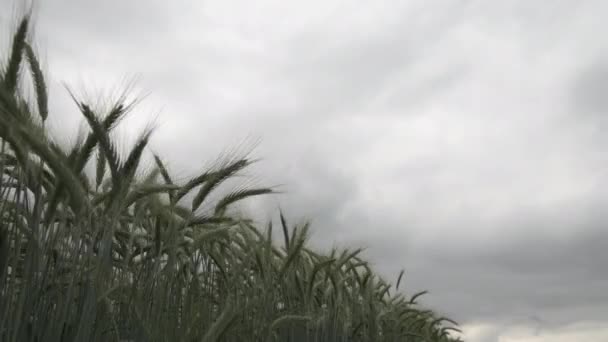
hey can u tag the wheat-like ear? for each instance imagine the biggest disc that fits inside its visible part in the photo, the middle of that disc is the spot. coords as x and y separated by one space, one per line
11 76
347 258
444 319
39 83
163 170
166 177
399 279
217 178
238 195
127 171
105 144
117 113
416 296
191 184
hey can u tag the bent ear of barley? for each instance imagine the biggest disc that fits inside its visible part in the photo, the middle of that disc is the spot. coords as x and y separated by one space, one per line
39 82
11 75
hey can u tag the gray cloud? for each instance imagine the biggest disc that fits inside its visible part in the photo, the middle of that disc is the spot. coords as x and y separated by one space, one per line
460 140
588 96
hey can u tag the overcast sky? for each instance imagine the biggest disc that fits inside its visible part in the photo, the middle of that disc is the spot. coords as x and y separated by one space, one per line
464 141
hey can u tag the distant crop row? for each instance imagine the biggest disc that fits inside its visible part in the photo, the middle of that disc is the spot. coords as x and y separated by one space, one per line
119 254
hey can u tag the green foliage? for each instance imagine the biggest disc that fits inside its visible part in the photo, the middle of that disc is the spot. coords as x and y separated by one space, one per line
128 260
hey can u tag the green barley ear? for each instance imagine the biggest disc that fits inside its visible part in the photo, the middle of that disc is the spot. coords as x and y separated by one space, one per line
399 279
127 172
105 144
11 76
39 83
165 174
190 185
238 195
163 169
217 178
416 296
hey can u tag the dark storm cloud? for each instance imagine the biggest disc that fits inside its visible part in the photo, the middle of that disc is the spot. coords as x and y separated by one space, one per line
540 275
456 139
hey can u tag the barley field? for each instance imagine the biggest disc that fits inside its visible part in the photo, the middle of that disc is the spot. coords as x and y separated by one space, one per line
125 253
